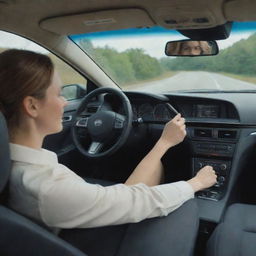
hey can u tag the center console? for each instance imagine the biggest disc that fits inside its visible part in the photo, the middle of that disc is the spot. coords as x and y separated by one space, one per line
214 147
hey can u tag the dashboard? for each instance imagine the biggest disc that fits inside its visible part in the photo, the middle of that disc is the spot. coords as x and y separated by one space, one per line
159 112
153 109
221 130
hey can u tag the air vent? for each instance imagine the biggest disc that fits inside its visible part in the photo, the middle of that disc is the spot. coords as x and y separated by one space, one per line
227 134
204 133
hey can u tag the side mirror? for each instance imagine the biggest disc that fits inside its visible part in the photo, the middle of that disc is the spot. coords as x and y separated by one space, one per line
191 48
73 91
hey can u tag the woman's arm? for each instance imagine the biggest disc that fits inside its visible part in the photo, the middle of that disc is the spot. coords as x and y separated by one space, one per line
150 170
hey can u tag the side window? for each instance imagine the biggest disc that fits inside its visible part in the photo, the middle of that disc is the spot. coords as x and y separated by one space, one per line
74 85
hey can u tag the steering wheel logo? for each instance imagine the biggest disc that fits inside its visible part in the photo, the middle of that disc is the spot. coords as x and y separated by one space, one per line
98 122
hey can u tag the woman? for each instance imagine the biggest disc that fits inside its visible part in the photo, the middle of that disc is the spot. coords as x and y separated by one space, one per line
50 193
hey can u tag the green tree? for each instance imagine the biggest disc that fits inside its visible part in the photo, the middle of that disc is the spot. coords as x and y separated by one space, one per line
145 66
116 64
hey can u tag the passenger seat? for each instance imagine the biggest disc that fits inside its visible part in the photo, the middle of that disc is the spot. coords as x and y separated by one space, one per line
236 235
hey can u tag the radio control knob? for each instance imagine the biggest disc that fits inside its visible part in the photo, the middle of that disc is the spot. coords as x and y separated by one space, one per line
223 167
221 179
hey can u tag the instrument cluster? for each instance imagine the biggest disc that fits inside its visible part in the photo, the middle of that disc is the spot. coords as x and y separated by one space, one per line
151 112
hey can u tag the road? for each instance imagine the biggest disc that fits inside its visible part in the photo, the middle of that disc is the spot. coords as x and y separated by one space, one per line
197 80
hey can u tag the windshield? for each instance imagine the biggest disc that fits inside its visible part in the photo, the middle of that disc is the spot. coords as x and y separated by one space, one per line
135 60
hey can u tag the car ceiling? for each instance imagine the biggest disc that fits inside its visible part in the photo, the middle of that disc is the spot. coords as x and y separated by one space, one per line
176 14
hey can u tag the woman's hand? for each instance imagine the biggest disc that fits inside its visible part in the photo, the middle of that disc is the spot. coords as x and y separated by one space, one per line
174 132
150 170
205 178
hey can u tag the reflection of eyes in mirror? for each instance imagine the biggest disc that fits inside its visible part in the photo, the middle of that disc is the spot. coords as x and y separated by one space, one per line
191 48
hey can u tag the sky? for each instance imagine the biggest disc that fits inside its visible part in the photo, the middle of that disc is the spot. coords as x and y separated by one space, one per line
9 40
153 45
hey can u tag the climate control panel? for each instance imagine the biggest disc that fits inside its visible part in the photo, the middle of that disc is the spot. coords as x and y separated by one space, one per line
222 169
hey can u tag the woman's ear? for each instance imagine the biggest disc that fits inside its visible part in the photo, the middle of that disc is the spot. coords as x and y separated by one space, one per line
31 106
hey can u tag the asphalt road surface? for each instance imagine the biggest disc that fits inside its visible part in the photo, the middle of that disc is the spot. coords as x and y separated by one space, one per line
197 80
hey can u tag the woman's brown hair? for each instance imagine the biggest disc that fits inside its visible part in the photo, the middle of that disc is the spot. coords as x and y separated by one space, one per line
22 73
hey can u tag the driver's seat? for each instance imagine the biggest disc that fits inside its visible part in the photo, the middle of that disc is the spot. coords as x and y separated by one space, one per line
18 235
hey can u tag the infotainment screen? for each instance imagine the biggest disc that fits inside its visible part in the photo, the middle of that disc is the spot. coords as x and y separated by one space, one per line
208 111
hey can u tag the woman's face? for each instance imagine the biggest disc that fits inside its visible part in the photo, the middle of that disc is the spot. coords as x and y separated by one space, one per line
191 48
51 108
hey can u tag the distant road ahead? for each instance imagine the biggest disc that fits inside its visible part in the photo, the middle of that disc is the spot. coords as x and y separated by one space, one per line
196 81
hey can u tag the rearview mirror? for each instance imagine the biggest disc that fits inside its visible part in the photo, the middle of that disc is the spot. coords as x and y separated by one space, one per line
191 48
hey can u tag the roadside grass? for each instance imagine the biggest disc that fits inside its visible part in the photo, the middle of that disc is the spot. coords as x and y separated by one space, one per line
249 79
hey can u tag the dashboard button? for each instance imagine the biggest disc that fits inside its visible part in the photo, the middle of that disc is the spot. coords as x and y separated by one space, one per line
221 179
223 167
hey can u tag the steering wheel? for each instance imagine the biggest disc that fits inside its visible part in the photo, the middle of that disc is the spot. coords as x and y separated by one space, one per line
102 127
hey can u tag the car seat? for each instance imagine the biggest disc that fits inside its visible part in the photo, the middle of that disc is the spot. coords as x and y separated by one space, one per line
236 235
19 235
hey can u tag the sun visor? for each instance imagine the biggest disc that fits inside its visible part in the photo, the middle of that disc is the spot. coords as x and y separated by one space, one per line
97 21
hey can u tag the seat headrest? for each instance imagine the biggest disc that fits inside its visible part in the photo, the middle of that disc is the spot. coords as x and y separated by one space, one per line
5 161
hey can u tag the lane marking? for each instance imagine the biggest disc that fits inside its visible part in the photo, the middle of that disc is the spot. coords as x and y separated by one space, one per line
215 81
